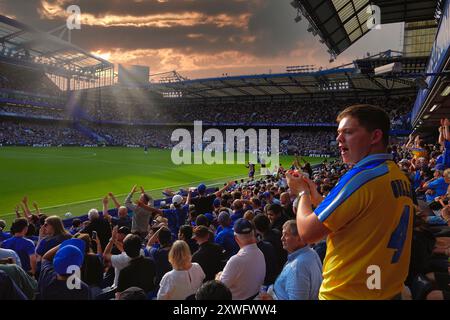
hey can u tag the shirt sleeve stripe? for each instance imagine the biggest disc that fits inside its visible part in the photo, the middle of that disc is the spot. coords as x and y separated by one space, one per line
356 182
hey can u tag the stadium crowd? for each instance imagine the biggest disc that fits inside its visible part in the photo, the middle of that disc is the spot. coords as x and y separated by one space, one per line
237 242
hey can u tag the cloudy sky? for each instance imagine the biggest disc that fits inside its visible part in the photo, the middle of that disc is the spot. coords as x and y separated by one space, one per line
198 38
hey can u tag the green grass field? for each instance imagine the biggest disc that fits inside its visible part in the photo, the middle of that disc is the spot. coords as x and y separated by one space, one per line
72 179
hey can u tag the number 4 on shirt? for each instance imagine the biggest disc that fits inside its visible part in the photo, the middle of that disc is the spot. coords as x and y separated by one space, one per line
398 237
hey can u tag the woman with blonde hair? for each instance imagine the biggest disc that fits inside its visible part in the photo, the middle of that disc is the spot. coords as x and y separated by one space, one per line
185 278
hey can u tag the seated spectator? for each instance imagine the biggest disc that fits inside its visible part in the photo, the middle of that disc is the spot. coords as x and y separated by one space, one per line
92 268
56 268
8 288
209 254
23 280
8 253
213 290
132 293
140 271
244 273
301 277
185 278
51 234
24 247
225 238
3 235
76 226
437 186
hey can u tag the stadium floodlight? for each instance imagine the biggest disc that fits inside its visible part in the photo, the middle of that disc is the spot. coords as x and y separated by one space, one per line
446 91
388 68
433 108
427 116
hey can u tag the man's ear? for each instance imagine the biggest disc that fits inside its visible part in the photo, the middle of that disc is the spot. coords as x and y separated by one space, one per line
377 136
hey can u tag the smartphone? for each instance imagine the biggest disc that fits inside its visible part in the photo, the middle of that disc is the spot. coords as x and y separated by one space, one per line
94 235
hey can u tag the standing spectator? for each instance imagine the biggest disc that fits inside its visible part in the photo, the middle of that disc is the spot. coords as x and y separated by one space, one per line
140 271
185 278
225 238
185 234
209 254
276 217
24 247
160 254
272 236
141 217
98 225
370 210
244 273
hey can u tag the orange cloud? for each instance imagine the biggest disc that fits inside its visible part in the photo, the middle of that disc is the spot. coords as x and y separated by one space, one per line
56 10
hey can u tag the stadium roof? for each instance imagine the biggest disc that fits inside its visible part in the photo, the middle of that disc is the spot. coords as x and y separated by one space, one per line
340 23
31 45
344 80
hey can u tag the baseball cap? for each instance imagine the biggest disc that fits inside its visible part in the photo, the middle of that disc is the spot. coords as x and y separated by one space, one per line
177 199
79 243
201 187
243 226
67 256
200 231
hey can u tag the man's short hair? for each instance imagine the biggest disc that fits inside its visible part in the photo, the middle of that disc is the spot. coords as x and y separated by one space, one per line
186 231
275 208
132 245
18 225
213 290
164 236
292 226
370 117
262 223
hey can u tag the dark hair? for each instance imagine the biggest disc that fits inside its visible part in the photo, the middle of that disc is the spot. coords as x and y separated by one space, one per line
146 198
262 223
213 290
76 223
132 245
275 208
256 201
186 231
202 220
164 237
370 117
18 225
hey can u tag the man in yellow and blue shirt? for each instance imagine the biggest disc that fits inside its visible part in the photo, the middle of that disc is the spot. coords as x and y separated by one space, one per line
367 216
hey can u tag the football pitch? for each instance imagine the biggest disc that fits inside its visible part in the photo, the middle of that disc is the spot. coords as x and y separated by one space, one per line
75 179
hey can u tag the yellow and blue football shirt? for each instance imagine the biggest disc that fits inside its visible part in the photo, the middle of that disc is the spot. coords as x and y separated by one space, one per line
370 215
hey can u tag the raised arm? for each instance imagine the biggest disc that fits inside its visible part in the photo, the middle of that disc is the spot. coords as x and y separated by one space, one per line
128 203
219 193
36 207
113 198
26 210
105 208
